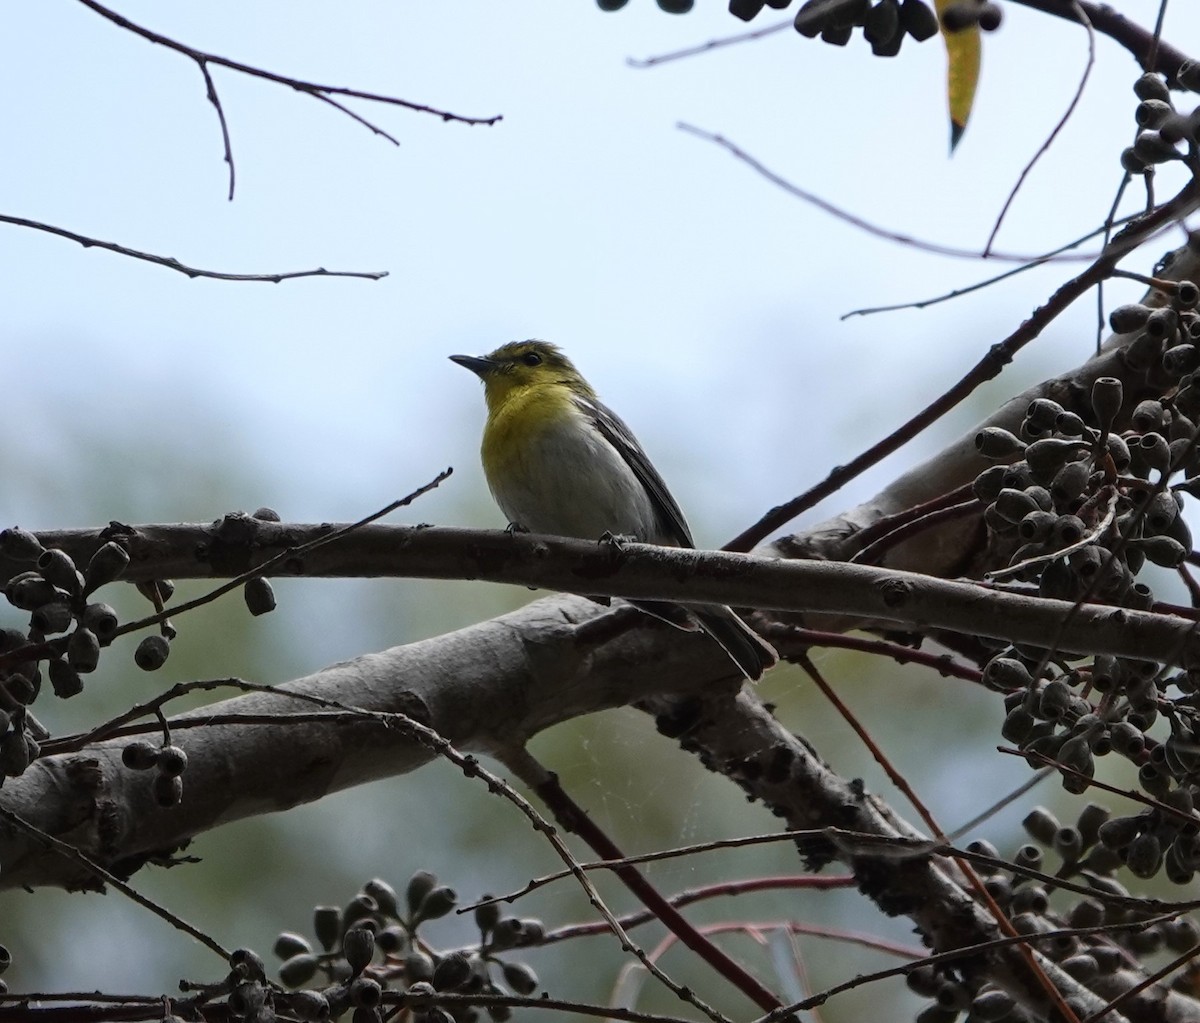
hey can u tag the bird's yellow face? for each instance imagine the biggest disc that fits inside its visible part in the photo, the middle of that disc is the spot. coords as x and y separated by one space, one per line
520 366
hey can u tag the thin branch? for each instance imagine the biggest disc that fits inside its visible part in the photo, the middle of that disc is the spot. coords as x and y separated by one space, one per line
1135 233
712 44
324 93
863 225
69 851
1055 131
173 264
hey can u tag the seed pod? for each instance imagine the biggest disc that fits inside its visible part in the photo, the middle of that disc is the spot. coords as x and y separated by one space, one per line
259 596
1014 505
1160 513
52 618
1001 674
1145 855
990 16
452 972
1151 113
437 903
1153 148
1180 360
151 653
106 565
1187 295
140 755
419 885
327 925
1070 483
168 790
1047 456
990 482
520 978
172 760
57 567
358 946
28 591
101 619
1163 551
1152 86
1125 319
995 442
20 545
1107 396
1118 451
1041 824
882 29
83 650
298 970
918 20
417 967
384 895
289 944
64 679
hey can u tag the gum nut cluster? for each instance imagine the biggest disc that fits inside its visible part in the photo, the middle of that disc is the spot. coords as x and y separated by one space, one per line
884 23
64 636
1086 853
374 944
1161 127
1083 499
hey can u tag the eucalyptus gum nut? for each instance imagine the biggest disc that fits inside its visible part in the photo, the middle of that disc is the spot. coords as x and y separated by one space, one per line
1148 415
140 755
151 653
327 925
419 885
990 17
52 618
1144 856
29 591
918 20
1153 148
259 596
1150 113
1152 86
996 442
105 566
1107 396
101 619
1041 824
64 680
1127 318
168 790
57 567
358 946
299 969
83 650
384 895
20 545
1187 295
1160 513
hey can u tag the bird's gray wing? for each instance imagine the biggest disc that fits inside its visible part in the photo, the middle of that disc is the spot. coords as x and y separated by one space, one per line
612 427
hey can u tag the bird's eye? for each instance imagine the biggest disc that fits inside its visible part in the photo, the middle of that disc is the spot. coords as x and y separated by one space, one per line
531 359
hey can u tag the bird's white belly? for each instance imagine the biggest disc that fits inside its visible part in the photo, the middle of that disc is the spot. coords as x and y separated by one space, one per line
595 492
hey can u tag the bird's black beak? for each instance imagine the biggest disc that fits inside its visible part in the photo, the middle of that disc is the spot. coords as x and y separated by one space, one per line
477 364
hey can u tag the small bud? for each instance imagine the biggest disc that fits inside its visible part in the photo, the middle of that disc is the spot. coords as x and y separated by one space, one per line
486 916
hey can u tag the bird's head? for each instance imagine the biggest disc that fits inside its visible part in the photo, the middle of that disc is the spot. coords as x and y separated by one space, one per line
520 365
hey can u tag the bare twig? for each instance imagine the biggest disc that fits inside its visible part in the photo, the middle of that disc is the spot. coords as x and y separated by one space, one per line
1055 131
173 264
324 93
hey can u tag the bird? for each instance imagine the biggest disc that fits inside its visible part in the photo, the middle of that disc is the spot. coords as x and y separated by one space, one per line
560 462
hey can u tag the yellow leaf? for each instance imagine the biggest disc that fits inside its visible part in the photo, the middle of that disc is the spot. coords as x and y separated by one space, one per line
962 73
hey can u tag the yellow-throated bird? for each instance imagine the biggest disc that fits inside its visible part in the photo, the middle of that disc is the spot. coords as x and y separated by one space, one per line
559 461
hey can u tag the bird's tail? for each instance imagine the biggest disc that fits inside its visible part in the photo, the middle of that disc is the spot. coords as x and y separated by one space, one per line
745 647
